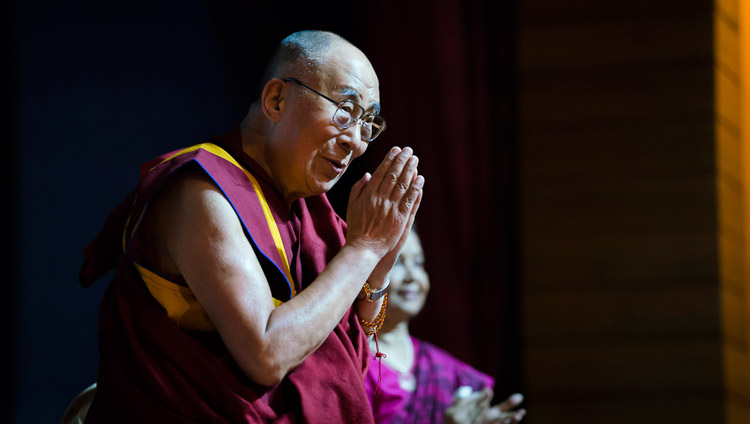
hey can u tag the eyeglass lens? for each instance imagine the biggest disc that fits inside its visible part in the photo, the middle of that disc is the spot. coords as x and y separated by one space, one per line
348 113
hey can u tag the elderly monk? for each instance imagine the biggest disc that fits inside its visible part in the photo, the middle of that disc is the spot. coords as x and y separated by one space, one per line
239 295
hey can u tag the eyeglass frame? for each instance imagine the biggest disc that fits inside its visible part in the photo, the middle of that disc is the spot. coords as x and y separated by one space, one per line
338 107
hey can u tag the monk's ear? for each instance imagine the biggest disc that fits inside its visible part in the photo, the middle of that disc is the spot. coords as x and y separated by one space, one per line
272 99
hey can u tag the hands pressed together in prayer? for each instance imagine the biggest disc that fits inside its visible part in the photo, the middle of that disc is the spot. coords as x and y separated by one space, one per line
475 408
382 207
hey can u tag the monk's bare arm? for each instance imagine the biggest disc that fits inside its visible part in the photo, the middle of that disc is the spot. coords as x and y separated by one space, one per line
206 244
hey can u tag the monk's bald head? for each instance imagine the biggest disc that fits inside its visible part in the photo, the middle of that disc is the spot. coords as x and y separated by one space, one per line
301 54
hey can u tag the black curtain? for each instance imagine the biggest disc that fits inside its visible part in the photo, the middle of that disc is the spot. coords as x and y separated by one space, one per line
447 77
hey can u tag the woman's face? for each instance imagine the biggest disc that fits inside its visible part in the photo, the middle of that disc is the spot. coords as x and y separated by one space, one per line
409 282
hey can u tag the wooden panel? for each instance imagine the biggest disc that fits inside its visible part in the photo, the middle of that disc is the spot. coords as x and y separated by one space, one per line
655 39
656 148
737 412
729 9
625 408
634 94
731 212
618 213
733 267
733 178
661 313
624 367
545 10
738 380
728 99
729 154
726 44
744 47
736 329
602 260
615 205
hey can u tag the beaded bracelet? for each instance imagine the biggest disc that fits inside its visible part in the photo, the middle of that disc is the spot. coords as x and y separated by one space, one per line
378 322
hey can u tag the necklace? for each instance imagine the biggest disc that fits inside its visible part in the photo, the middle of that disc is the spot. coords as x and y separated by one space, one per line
406 380
400 357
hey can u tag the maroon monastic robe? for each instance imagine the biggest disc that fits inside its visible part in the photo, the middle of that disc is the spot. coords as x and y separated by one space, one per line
153 369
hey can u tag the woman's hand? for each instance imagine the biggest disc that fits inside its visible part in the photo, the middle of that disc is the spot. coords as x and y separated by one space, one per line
504 413
475 408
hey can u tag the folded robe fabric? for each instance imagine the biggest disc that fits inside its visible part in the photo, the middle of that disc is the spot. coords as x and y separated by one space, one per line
158 368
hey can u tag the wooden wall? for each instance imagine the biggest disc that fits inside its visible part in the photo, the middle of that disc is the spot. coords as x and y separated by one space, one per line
624 268
732 60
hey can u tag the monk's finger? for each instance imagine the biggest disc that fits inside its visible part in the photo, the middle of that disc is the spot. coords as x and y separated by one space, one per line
406 179
402 240
392 175
381 170
357 188
415 208
409 200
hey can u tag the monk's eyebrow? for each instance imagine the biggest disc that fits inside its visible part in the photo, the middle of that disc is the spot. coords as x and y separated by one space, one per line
352 94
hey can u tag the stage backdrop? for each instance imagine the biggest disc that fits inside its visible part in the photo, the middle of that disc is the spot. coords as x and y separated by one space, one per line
99 88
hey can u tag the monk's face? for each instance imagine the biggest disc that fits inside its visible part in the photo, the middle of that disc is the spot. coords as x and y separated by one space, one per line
409 281
312 152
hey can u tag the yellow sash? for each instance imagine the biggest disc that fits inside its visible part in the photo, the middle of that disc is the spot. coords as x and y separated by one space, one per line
179 301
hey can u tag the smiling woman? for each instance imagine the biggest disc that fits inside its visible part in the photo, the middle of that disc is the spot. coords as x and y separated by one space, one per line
419 382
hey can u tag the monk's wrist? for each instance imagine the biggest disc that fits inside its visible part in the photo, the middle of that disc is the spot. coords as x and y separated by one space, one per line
358 257
370 293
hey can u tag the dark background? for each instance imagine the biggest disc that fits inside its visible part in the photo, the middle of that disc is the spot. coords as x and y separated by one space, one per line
95 89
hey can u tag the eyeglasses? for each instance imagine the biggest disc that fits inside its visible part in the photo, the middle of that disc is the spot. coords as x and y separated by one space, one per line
349 113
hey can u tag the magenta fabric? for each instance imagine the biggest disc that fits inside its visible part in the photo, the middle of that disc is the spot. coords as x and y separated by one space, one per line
152 371
438 375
